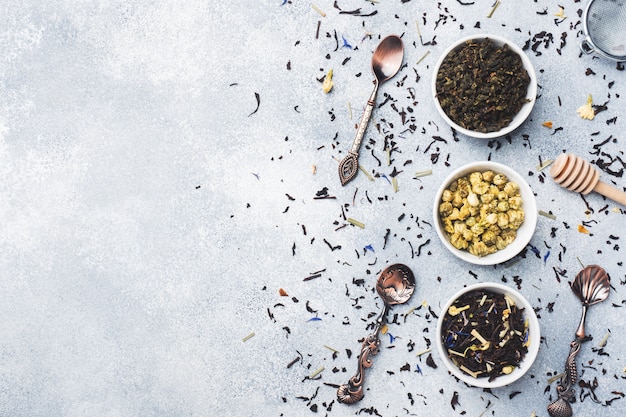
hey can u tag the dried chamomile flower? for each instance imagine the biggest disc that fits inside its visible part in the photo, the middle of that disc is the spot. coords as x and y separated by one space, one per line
481 212
586 111
327 85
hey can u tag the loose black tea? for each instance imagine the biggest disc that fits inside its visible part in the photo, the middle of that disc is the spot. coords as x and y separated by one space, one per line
482 86
485 334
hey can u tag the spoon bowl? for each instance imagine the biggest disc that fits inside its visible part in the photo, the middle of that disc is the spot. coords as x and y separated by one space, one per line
387 58
386 62
395 285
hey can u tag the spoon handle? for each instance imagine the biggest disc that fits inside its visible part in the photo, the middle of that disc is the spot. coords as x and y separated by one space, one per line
352 392
561 406
349 165
565 389
365 119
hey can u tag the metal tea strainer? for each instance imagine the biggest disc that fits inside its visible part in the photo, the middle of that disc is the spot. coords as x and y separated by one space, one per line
605 29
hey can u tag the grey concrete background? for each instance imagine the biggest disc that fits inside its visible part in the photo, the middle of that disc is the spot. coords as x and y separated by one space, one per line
151 208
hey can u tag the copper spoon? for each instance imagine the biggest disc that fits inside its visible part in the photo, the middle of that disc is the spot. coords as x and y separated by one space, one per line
591 286
386 62
395 285
574 173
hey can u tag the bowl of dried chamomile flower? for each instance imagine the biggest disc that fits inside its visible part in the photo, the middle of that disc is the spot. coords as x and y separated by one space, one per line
485 213
488 335
484 86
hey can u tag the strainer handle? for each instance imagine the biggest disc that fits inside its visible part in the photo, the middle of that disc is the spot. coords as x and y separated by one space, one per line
586 46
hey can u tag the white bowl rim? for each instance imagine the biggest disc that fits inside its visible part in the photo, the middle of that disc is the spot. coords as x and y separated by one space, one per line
531 93
533 328
524 233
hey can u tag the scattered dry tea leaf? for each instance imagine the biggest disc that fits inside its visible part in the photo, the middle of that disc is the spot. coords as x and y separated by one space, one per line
282 292
586 111
583 229
547 124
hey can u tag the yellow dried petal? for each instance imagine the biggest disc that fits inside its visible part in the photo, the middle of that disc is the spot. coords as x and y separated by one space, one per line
547 124
586 111
561 13
455 311
327 85
507 369
583 229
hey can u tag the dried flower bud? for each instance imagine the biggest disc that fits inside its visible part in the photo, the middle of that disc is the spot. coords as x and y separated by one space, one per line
472 199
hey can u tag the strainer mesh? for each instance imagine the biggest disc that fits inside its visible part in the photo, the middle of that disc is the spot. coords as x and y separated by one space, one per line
606 25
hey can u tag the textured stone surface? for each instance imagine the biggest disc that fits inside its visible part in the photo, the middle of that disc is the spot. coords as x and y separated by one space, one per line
151 208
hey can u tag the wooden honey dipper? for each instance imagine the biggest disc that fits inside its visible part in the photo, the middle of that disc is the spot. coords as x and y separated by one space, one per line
574 173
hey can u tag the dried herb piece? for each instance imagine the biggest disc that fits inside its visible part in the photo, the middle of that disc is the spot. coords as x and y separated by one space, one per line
481 86
327 85
257 96
485 334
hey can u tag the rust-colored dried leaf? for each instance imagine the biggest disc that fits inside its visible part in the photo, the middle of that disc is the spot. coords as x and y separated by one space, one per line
282 292
583 229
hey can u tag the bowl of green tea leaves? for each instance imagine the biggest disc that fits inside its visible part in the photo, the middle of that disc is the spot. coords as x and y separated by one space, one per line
484 86
488 335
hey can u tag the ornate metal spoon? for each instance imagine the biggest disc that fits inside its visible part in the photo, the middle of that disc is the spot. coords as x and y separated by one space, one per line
591 286
386 62
395 285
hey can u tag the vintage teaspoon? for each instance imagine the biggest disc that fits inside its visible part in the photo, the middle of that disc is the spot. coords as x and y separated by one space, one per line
591 286
395 285
386 62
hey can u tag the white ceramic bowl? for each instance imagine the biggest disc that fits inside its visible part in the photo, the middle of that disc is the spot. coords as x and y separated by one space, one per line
524 233
531 94
534 334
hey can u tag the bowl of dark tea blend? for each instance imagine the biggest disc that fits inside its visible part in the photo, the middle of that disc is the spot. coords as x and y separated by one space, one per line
484 86
488 335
